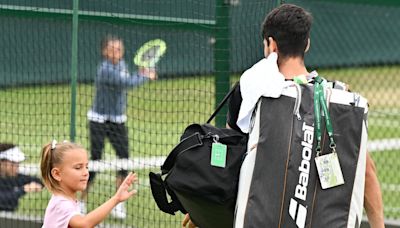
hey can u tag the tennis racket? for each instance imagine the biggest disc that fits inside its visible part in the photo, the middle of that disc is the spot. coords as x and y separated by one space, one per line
150 53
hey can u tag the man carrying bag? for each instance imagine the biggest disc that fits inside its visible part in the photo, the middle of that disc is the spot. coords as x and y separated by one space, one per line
280 104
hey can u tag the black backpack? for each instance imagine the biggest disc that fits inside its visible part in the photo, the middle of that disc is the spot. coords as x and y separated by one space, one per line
207 192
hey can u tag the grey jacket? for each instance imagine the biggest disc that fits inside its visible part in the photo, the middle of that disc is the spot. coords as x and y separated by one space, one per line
112 83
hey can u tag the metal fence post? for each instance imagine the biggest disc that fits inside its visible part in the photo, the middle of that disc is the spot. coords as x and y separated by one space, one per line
74 70
221 58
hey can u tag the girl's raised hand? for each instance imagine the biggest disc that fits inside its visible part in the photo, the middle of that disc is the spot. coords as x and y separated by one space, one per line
123 192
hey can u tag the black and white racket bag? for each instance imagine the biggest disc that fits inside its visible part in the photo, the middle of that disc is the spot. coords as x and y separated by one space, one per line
279 186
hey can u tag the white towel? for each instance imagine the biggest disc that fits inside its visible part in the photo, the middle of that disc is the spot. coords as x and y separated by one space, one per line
262 79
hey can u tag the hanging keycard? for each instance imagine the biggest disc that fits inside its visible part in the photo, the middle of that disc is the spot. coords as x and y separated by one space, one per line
218 155
329 171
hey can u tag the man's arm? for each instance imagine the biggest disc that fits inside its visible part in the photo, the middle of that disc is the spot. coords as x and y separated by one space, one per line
373 196
187 222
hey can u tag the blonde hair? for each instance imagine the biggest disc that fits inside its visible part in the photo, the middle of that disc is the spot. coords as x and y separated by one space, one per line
52 155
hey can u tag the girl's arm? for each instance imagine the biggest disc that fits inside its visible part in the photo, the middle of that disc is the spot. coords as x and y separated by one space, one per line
99 214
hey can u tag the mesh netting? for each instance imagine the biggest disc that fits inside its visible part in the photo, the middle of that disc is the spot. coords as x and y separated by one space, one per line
209 43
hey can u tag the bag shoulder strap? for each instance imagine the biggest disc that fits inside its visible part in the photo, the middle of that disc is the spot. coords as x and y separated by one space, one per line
221 104
193 140
186 144
159 191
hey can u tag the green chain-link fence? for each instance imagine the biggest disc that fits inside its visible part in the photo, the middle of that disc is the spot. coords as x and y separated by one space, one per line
209 43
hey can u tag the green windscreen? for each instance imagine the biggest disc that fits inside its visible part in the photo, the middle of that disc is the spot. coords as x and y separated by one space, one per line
209 44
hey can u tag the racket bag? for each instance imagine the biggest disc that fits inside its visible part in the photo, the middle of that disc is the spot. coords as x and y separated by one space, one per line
279 184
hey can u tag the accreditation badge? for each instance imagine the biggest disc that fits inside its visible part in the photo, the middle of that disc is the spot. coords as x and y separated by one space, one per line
218 155
329 171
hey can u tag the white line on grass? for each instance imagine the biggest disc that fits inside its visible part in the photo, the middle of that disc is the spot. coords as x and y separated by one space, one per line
138 163
383 144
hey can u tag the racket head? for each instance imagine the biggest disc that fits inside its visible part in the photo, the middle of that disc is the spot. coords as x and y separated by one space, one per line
150 53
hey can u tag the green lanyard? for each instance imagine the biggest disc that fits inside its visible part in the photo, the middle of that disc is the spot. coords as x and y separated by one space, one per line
319 100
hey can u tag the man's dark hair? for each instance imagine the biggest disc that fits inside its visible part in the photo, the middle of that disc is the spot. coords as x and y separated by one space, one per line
289 25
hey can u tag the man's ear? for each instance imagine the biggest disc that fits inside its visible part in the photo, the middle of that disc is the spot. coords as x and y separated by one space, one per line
273 47
308 45
55 173
269 46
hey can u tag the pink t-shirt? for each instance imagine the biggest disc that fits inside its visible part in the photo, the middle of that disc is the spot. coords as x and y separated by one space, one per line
59 211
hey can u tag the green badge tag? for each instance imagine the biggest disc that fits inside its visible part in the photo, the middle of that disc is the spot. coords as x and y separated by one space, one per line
218 155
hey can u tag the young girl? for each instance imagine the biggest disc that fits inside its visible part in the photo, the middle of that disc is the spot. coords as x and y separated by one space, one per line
64 169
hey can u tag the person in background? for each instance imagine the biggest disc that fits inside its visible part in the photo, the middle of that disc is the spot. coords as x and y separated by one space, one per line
64 169
107 116
14 185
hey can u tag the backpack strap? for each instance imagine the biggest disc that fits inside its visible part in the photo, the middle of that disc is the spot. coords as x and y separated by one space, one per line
193 140
190 142
159 191
221 104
